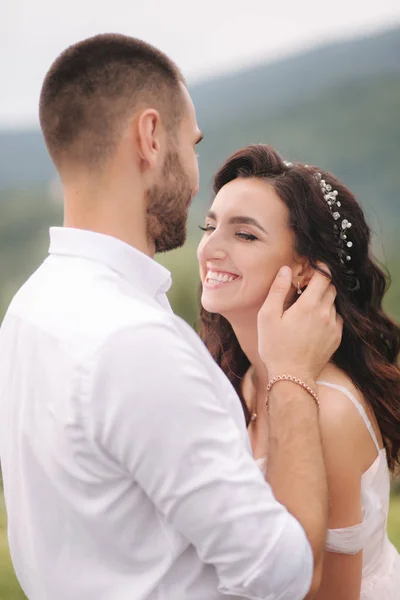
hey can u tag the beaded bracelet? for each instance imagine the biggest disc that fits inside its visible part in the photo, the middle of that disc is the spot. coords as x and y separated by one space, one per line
293 380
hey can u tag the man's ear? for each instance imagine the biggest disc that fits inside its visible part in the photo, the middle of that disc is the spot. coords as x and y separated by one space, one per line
148 137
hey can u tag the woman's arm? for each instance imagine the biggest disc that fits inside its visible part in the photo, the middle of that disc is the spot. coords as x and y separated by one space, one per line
346 443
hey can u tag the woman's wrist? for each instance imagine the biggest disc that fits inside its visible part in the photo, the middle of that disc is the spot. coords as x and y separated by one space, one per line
310 389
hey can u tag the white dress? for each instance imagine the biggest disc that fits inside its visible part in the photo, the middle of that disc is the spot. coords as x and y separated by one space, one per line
381 560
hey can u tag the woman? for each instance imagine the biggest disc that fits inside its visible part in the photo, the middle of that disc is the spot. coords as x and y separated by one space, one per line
268 213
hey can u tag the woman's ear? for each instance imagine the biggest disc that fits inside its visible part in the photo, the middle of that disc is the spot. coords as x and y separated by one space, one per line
302 273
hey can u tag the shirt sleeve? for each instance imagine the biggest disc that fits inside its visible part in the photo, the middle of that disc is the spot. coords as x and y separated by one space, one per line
158 415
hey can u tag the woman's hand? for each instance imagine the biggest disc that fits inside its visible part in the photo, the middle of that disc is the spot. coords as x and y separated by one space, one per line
300 340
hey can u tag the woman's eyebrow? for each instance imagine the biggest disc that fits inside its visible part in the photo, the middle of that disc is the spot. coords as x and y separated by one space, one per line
238 220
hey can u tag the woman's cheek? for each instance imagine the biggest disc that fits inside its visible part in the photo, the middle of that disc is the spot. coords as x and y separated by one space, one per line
257 290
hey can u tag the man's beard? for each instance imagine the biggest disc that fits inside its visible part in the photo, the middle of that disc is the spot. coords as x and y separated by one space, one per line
167 206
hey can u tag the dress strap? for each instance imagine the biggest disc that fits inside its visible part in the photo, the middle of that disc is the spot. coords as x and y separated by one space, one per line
358 406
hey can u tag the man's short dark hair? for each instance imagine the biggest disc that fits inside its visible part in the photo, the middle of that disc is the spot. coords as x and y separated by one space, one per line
93 88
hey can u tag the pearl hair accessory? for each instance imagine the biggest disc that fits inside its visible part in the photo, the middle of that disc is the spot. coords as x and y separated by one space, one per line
330 197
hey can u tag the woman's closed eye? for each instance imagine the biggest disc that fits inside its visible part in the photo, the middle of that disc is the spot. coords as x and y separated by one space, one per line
249 237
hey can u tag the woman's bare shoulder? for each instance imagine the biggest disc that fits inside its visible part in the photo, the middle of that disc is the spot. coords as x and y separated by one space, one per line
341 422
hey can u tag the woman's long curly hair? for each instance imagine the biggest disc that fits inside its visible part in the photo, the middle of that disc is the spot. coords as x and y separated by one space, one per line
370 345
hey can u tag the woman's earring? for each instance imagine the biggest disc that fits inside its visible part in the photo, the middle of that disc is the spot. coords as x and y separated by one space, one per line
299 291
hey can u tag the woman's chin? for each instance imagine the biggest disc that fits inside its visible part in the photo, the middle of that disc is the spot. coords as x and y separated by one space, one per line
212 305
232 312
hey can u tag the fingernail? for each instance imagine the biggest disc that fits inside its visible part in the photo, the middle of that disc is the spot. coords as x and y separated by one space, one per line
284 272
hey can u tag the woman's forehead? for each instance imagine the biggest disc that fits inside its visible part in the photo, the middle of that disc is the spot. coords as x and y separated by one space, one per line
250 196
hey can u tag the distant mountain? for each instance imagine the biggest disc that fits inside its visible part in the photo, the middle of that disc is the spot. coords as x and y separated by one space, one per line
24 160
274 87
226 102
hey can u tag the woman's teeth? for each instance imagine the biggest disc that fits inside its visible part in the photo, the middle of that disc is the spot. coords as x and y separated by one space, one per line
220 277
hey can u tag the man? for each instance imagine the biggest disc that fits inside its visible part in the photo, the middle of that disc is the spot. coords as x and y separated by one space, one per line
126 462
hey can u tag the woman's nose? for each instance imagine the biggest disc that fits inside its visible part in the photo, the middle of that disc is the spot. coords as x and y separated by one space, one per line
211 248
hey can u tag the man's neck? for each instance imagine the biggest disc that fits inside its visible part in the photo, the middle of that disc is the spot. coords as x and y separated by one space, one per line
108 210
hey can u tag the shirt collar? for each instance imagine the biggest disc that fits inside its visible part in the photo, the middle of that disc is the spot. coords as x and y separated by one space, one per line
133 265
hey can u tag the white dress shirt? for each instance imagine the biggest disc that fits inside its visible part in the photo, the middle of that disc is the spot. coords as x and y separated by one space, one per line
127 468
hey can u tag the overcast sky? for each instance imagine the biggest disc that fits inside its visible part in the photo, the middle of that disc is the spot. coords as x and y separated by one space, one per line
205 37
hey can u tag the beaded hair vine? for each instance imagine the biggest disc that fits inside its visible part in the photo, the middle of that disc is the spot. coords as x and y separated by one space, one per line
330 197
